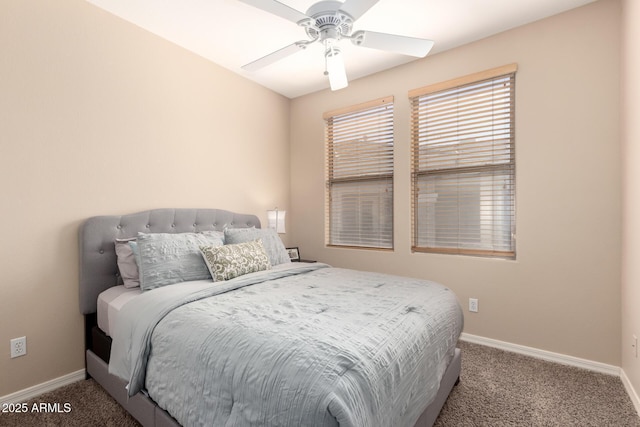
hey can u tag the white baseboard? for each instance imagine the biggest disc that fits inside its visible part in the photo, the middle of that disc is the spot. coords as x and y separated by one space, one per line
37 390
630 390
543 354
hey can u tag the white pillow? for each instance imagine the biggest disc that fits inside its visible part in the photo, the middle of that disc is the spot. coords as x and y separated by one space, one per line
127 263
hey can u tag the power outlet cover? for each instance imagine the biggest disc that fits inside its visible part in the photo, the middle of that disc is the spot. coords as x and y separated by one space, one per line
18 347
473 305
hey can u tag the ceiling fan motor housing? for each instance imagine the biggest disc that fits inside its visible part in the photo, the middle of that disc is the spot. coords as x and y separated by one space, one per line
329 22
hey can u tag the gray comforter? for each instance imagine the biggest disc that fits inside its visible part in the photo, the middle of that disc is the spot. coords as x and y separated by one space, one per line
299 345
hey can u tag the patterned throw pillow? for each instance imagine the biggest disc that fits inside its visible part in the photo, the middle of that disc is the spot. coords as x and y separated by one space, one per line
229 261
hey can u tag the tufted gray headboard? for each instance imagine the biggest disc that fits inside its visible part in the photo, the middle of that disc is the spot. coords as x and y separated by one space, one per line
98 264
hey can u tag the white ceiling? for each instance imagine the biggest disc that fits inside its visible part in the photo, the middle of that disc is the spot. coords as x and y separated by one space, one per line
231 33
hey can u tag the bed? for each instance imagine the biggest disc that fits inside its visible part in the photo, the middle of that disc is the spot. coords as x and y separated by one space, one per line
312 344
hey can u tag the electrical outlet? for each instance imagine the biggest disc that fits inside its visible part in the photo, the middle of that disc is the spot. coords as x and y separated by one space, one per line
634 345
473 305
18 347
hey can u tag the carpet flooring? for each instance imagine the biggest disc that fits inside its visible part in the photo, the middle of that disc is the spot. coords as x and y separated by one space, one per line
499 388
496 388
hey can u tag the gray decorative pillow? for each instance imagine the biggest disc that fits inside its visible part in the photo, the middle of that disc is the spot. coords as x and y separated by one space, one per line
273 245
165 259
127 263
229 261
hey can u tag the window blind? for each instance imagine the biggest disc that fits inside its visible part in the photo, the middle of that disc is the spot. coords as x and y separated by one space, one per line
463 165
359 194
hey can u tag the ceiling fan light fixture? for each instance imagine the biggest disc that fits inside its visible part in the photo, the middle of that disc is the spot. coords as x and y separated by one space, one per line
335 69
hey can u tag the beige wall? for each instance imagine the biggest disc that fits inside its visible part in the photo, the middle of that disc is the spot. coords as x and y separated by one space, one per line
100 117
562 294
631 188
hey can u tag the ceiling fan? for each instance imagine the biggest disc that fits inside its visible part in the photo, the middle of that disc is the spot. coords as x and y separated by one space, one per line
328 22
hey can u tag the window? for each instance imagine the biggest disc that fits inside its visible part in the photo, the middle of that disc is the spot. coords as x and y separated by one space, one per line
463 165
359 194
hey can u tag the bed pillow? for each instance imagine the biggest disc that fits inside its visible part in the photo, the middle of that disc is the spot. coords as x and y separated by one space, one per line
273 245
165 258
229 261
127 263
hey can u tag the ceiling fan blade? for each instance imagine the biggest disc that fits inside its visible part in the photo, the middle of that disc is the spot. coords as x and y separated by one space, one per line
411 46
357 8
276 8
274 56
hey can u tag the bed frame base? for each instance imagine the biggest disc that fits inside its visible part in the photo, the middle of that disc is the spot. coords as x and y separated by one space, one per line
145 410
450 379
140 406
